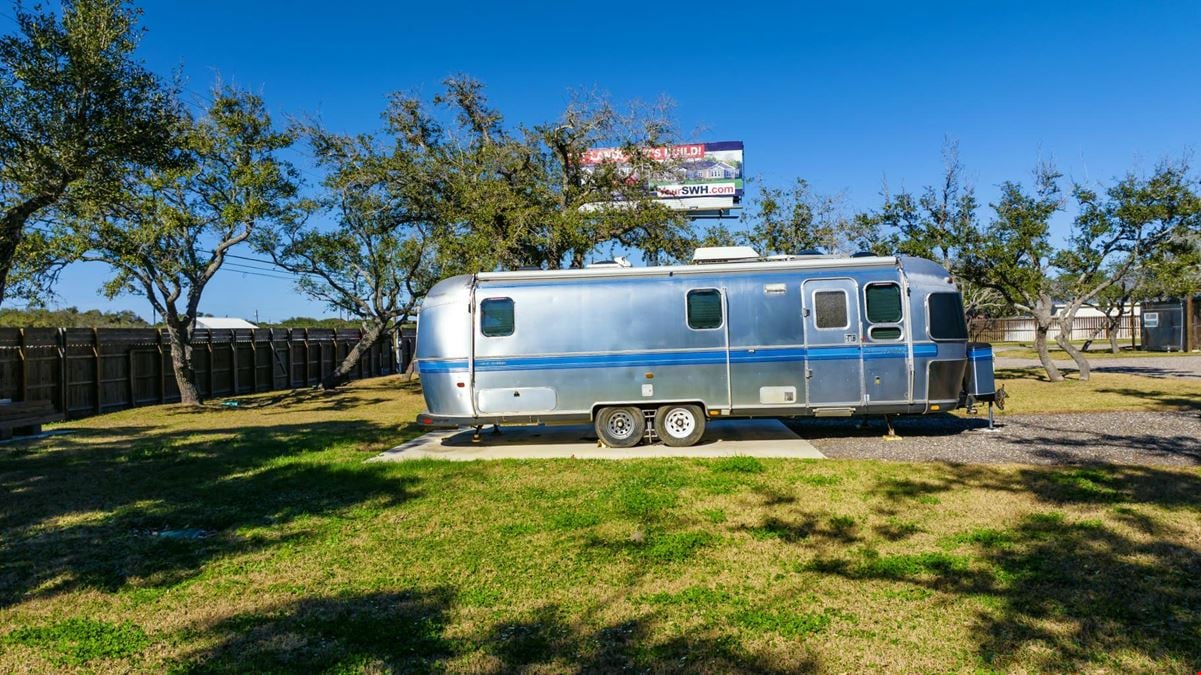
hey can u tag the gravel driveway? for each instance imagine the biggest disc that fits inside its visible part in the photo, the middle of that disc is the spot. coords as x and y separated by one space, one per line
1163 438
1153 366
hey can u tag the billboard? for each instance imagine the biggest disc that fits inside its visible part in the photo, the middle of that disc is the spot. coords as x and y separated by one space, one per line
695 176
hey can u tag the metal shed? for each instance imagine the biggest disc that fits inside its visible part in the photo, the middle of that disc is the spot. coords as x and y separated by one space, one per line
1171 325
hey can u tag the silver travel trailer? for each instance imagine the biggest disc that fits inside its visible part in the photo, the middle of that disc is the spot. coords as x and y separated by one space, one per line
661 350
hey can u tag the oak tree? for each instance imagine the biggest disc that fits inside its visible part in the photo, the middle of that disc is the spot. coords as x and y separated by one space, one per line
78 113
379 255
166 233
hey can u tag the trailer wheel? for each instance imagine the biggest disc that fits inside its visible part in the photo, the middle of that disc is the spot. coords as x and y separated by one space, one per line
679 425
620 427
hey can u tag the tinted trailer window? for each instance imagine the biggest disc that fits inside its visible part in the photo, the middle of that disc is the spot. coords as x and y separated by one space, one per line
704 309
496 317
946 317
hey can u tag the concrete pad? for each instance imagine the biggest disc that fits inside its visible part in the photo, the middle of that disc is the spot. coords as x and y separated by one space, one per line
723 438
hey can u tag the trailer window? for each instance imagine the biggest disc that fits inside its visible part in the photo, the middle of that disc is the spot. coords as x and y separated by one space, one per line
496 317
830 309
946 317
883 303
704 309
885 332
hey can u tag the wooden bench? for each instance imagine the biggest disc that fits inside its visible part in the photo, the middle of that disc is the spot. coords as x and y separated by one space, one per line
26 418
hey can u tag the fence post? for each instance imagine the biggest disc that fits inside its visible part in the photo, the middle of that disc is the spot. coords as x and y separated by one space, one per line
96 361
333 363
129 376
23 372
321 349
233 359
307 357
1190 325
212 370
64 377
291 361
270 353
162 368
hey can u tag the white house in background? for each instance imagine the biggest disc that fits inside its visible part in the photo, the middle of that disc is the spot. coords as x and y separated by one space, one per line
222 323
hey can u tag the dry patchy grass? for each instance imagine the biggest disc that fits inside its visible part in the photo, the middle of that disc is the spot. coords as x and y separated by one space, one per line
257 540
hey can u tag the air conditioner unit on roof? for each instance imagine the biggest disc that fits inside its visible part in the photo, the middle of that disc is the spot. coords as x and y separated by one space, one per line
720 254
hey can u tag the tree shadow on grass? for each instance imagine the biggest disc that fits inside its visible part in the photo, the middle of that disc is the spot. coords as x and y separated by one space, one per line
1146 371
802 527
395 632
88 514
407 632
1166 399
1065 594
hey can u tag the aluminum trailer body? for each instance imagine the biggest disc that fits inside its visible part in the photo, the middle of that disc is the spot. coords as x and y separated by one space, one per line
804 336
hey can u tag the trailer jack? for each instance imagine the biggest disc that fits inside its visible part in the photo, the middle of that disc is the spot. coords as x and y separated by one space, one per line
992 427
892 434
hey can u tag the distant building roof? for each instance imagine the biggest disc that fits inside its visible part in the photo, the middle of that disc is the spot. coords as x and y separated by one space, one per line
222 323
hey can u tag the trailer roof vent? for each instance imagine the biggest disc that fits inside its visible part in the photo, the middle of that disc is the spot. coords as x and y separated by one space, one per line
721 254
619 261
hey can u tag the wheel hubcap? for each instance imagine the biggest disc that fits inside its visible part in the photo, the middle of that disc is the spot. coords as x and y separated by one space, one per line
679 422
620 424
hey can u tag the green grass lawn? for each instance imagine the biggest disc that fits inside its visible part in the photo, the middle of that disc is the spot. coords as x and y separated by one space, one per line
256 539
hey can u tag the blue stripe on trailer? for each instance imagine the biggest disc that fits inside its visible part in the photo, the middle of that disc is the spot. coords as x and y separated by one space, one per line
455 366
601 361
689 358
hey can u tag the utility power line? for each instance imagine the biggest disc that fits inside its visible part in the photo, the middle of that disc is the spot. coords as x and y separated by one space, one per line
235 267
255 265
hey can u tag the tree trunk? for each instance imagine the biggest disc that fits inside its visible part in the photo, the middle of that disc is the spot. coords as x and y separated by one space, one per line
12 229
181 364
1040 343
341 374
1078 356
1113 327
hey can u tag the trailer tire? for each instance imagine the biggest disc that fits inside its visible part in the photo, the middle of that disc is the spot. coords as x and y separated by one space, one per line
679 426
620 426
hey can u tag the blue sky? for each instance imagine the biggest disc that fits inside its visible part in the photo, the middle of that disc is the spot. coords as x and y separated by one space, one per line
846 95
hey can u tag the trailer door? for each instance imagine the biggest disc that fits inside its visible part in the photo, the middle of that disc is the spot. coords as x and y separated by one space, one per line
833 355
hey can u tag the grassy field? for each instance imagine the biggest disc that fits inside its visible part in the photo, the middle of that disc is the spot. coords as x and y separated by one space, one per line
1030 392
256 539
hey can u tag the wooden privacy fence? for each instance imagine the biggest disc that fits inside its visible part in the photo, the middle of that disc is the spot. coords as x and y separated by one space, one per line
1021 329
88 371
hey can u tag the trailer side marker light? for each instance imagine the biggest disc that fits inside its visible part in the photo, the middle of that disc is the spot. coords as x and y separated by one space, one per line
650 376
935 407
460 385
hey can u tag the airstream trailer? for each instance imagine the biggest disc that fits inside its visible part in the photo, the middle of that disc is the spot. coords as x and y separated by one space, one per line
657 351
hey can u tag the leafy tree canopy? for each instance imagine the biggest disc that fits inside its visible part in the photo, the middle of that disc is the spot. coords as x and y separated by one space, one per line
78 113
